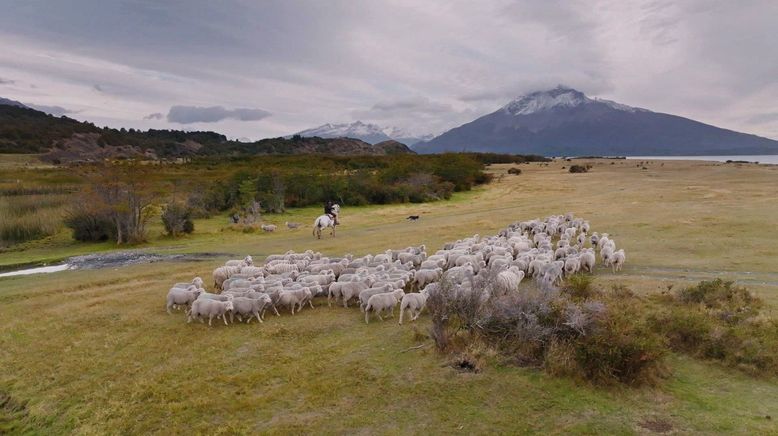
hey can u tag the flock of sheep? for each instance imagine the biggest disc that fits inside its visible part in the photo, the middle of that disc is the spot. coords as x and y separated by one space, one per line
547 250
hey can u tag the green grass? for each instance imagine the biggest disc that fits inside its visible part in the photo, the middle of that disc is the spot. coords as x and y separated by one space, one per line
94 352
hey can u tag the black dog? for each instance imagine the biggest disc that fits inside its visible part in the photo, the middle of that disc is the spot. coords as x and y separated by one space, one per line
413 218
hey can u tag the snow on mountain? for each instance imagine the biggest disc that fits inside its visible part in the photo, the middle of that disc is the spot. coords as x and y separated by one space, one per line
367 132
559 97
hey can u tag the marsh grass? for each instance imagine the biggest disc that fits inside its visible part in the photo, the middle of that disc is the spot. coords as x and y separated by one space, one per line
30 217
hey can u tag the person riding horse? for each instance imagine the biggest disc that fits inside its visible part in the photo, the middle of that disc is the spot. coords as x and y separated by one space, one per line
328 211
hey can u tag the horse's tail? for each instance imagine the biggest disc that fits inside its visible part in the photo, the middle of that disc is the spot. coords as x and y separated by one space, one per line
316 225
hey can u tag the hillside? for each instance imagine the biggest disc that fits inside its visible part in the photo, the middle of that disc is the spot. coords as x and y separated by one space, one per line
563 121
62 139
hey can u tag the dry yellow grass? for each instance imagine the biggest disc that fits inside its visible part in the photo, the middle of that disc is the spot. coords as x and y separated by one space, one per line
94 352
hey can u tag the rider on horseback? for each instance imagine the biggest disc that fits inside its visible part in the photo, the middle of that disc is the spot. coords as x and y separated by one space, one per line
328 211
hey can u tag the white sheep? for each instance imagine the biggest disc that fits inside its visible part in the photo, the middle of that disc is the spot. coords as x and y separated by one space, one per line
222 273
247 261
250 307
508 280
268 227
295 298
381 302
197 282
587 260
182 297
337 291
617 260
414 303
209 308
426 276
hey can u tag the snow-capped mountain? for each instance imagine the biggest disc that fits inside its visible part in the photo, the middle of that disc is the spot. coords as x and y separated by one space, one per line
565 122
370 133
559 97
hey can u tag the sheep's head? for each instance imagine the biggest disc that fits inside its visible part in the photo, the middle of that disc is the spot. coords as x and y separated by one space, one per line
228 305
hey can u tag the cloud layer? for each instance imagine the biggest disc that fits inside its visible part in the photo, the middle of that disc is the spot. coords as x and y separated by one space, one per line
212 114
423 66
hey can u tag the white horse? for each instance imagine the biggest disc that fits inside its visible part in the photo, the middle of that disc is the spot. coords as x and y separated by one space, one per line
324 221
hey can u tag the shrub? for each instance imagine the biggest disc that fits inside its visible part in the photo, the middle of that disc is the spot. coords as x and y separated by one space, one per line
578 169
603 341
579 286
90 226
514 170
177 219
717 320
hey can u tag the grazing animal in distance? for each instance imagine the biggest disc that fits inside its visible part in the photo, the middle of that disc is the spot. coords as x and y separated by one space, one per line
412 218
292 226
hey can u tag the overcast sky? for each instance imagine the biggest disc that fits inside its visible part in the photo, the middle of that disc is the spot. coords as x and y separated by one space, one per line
253 69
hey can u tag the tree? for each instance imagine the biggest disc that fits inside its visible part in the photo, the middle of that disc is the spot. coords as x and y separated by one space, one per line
124 194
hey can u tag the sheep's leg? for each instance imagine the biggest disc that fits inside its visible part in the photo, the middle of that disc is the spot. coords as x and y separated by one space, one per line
259 318
276 309
367 316
210 318
224 318
168 310
232 317
311 302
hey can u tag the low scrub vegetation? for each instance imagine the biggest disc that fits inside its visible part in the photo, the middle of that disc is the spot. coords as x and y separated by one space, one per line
720 321
579 168
298 181
602 340
603 336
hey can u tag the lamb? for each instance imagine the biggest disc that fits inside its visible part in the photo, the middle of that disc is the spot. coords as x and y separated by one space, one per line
182 297
268 227
617 260
211 309
292 226
250 307
381 302
508 280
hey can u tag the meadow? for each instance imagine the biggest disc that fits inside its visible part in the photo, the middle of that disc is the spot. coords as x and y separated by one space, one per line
93 351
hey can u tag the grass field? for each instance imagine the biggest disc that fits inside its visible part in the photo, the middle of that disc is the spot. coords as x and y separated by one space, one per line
94 352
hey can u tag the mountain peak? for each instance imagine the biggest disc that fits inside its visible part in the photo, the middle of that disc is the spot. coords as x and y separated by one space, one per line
367 132
560 97
540 101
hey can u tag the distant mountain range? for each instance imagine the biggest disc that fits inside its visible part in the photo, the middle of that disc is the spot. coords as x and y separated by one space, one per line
369 133
565 122
63 139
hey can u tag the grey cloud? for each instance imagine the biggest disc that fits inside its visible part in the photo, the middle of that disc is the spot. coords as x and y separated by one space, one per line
414 105
311 62
154 116
6 81
57 111
212 114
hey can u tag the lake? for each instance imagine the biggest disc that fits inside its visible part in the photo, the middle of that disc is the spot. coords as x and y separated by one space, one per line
763 159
